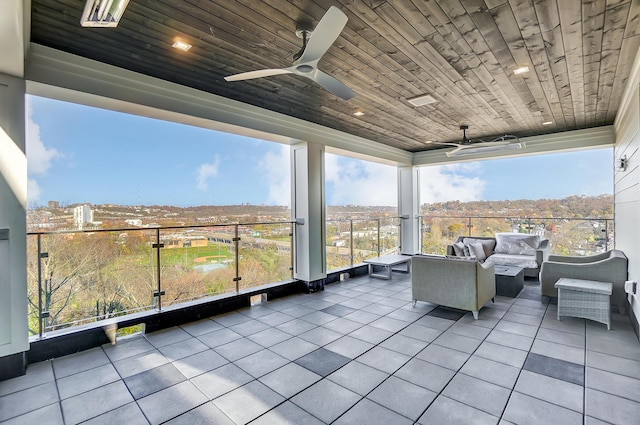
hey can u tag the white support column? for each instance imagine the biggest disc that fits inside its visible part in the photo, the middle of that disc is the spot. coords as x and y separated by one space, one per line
14 340
409 209
308 207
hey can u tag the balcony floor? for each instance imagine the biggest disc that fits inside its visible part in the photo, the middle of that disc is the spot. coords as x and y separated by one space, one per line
357 353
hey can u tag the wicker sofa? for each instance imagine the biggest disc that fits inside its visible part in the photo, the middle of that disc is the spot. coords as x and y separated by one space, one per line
457 283
506 249
610 266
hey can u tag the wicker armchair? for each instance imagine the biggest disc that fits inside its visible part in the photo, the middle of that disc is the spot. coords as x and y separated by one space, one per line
610 266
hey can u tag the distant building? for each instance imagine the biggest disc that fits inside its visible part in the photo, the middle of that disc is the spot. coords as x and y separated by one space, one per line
82 215
53 204
134 222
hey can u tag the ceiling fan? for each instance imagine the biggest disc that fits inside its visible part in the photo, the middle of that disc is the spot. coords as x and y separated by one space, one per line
470 147
315 43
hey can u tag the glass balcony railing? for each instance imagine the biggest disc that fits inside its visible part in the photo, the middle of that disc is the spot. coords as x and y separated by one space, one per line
77 277
352 240
567 236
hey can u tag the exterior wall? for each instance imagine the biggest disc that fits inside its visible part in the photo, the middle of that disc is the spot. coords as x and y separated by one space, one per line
13 200
627 182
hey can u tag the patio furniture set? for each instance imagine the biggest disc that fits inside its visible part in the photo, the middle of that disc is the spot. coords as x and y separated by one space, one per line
476 269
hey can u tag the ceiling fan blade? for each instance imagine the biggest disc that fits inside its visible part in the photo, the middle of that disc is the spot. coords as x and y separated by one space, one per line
257 74
334 86
324 35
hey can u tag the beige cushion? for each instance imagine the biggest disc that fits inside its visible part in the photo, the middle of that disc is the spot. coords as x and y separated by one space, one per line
458 248
517 243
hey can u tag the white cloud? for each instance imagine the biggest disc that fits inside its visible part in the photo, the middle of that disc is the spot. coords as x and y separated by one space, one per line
39 158
207 171
356 182
451 183
276 172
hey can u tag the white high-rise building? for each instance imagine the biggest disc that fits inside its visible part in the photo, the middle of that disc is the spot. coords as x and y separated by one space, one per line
82 214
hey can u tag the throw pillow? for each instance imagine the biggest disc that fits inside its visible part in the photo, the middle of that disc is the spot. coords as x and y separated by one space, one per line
517 243
487 244
476 249
458 248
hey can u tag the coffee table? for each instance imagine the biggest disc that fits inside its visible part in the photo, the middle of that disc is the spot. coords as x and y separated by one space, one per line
509 280
387 262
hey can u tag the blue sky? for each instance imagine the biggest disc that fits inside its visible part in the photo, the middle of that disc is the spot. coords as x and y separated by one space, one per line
78 154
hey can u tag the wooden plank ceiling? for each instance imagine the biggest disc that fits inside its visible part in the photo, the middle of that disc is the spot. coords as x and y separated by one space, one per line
462 53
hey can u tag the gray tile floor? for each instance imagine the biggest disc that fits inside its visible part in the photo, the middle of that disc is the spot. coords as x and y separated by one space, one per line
357 353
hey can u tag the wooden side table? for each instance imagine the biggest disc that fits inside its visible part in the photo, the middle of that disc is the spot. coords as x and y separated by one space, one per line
588 299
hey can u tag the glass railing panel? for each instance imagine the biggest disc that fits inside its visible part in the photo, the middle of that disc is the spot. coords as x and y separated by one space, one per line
579 236
438 232
365 239
88 276
196 262
389 235
265 254
339 238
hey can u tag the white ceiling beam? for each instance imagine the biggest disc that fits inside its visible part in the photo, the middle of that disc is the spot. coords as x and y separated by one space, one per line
15 28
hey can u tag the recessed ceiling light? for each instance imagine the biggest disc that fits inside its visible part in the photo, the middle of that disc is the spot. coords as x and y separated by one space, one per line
181 45
521 70
421 100
547 123
358 113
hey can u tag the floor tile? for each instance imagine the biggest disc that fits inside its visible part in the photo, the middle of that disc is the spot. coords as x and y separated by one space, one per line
79 362
249 327
200 363
205 414
447 411
405 315
447 313
133 365
49 415
612 383
477 393
424 374
293 348
510 340
129 414
326 400
95 402
342 325
560 337
322 361
371 334
525 319
490 371
421 333
555 368
619 365
153 380
517 328
231 319
238 349
221 380
338 310
366 412
171 402
403 397
248 402
290 379
558 351
361 316
358 377
21 402
507 355
629 351
320 336
384 359
610 408
435 322
182 349
318 318
287 414
349 347
468 330
36 374
201 327
295 327
269 337
167 336
552 390
261 363
457 342
404 344
388 324
219 337
525 410
443 356
129 347
87 380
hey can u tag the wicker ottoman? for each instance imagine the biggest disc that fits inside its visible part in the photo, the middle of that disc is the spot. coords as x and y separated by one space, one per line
587 299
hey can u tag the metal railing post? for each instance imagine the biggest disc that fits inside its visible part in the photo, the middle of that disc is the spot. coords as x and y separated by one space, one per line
378 220
469 227
158 292
292 240
236 242
351 241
